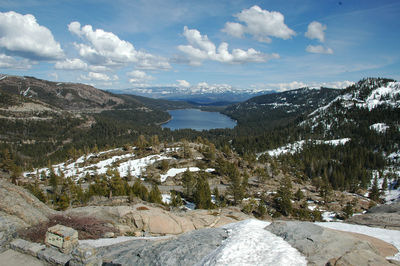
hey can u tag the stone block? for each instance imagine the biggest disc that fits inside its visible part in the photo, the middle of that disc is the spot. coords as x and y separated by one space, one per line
85 255
20 245
62 237
53 256
34 249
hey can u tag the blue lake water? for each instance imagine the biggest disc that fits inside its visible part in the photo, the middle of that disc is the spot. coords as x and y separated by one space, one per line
198 120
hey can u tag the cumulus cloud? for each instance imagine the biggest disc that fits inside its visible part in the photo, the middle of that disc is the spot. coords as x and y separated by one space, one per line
11 62
94 76
21 35
261 24
138 76
319 49
107 49
316 30
71 64
200 48
183 83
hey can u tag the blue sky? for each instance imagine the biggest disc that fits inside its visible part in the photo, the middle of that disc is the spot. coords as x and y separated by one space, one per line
244 44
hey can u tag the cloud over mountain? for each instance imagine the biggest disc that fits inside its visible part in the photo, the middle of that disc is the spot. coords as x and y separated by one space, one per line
107 49
200 48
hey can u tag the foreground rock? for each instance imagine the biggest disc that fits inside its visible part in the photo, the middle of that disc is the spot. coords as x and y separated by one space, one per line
385 216
142 220
20 207
187 249
324 246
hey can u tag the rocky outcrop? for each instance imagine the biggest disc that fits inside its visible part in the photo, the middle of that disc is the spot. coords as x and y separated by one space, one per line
20 207
385 216
143 219
324 246
187 249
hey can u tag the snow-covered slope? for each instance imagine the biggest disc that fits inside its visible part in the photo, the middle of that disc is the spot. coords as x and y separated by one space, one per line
368 94
126 163
298 146
249 244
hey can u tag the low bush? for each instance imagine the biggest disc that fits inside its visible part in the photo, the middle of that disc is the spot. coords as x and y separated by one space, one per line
87 227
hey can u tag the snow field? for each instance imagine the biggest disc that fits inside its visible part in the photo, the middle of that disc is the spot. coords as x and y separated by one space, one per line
175 171
297 146
250 244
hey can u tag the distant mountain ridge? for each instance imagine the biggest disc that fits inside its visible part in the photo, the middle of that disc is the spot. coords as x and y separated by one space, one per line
370 101
270 110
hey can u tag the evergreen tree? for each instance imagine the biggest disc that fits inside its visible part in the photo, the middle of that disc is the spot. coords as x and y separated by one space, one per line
140 190
236 188
283 197
176 199
202 194
155 194
188 183
374 191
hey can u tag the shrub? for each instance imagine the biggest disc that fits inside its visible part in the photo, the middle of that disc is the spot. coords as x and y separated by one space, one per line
87 227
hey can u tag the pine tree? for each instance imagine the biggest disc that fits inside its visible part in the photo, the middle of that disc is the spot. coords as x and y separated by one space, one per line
202 194
236 186
155 194
374 191
283 197
188 183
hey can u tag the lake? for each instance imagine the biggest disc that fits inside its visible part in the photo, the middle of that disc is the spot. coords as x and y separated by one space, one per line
198 120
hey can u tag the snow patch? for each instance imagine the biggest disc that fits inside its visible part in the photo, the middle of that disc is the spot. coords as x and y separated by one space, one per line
379 127
249 243
297 146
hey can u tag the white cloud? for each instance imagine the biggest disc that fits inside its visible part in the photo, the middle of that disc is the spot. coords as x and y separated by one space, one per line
21 35
203 85
99 68
285 86
53 75
138 77
316 30
107 49
11 62
71 64
319 49
261 24
183 83
235 29
200 48
96 76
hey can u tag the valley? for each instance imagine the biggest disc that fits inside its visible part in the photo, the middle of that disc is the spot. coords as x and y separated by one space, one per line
317 155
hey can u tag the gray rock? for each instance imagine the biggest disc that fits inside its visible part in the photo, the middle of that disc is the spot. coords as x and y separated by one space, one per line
187 249
7 232
386 208
85 255
384 216
26 247
24 208
12 257
321 245
53 256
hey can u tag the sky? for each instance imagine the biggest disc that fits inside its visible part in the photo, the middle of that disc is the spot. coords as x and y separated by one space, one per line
271 45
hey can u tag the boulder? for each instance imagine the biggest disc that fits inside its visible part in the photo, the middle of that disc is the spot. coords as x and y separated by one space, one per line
25 209
321 245
151 220
384 216
187 249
